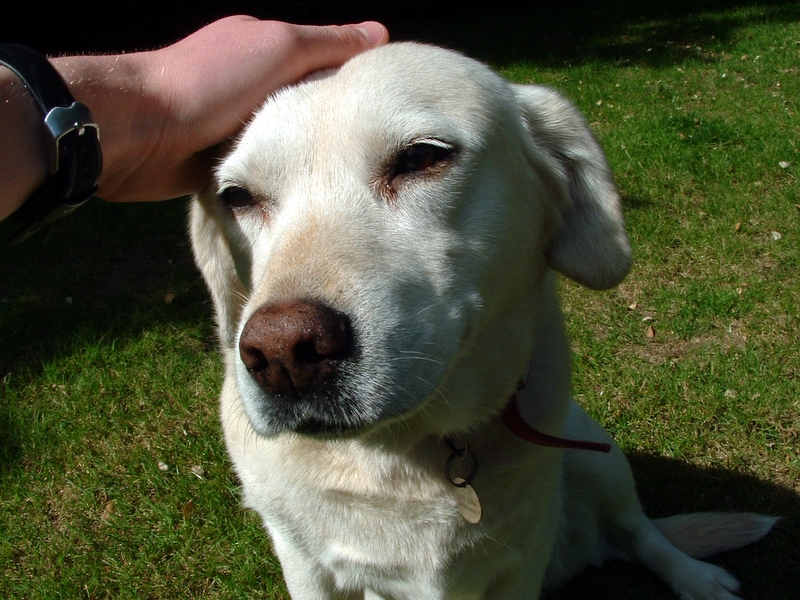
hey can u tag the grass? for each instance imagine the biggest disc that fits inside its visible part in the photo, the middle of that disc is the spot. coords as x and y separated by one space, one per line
113 478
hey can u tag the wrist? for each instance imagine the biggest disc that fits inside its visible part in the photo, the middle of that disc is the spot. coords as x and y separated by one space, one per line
25 168
109 86
73 154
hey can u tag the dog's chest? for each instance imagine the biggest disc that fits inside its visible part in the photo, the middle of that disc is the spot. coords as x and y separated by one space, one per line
363 519
377 523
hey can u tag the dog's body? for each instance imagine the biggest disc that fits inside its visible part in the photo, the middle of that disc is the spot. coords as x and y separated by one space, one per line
379 248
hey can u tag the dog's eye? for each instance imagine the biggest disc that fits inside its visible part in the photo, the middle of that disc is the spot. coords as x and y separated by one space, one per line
417 161
235 196
420 157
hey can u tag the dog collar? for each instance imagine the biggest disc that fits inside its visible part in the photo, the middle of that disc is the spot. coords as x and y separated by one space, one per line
514 422
75 159
464 494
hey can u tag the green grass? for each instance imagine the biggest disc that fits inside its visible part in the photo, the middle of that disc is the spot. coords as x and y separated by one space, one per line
113 479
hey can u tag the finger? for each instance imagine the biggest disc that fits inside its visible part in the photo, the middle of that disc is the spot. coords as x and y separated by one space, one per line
326 47
376 33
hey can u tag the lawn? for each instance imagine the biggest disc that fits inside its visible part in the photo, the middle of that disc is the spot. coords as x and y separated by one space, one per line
113 479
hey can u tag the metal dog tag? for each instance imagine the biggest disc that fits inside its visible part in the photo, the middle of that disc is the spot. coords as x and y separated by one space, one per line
467 501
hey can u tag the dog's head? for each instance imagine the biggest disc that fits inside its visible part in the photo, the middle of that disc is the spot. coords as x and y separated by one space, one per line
377 238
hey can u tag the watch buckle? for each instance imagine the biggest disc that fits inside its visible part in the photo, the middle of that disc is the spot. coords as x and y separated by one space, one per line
63 120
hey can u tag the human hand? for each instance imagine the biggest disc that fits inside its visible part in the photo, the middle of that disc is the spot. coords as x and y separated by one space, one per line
161 113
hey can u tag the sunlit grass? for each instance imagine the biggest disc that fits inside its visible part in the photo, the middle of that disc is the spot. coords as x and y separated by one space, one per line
113 477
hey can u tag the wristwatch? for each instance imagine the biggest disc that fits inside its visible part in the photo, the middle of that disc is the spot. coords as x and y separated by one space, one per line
75 159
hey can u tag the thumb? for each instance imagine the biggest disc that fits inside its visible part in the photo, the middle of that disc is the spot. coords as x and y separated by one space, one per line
330 46
376 33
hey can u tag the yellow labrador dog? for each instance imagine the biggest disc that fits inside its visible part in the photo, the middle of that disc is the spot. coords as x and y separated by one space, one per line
381 247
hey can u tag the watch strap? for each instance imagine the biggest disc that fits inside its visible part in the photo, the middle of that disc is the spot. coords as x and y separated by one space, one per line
75 157
36 73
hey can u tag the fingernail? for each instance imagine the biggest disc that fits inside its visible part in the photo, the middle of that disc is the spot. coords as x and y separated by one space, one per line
375 32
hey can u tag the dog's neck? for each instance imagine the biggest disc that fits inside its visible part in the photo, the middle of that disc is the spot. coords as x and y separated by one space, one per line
535 412
546 379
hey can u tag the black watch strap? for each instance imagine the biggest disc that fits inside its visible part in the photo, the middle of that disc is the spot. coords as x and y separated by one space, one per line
75 161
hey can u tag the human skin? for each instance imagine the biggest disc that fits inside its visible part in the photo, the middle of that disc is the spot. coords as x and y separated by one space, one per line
161 113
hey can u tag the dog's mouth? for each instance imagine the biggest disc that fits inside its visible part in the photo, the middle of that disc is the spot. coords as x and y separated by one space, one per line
323 413
319 428
327 425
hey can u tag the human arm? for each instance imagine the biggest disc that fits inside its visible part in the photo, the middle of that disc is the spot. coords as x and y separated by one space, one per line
162 112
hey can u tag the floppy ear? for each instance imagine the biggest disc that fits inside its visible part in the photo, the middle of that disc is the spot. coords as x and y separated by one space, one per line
591 246
213 256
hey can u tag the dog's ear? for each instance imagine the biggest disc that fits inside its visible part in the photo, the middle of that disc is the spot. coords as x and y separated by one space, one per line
590 245
213 256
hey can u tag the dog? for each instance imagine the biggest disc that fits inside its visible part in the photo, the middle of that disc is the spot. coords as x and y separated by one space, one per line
381 246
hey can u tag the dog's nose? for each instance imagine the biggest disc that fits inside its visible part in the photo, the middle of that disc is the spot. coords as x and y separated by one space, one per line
291 349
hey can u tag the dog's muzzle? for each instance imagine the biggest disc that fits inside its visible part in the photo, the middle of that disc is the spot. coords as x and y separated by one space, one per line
295 352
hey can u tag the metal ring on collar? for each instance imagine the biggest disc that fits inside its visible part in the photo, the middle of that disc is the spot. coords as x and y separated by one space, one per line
461 454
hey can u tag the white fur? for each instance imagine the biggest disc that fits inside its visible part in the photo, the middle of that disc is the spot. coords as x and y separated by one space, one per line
447 280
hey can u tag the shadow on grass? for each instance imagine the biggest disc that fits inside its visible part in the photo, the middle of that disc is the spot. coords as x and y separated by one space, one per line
636 203
10 443
107 272
101 277
622 32
668 486
547 33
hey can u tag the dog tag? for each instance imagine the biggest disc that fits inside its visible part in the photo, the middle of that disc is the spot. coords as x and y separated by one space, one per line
467 501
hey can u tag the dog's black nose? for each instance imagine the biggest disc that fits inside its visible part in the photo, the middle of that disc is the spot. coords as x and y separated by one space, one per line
291 349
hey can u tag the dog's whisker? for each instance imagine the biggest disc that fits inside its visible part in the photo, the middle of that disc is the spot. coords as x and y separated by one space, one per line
425 309
418 358
241 296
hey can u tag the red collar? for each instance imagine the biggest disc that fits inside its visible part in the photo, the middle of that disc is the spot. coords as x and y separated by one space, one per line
517 425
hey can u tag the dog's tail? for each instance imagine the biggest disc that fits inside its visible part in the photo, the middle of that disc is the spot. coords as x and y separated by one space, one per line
705 534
